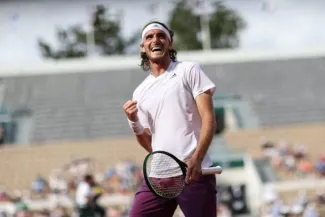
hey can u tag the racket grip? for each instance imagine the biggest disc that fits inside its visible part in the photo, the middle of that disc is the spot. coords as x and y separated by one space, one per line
212 170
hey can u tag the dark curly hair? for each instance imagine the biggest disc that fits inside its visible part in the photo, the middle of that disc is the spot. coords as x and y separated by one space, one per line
145 64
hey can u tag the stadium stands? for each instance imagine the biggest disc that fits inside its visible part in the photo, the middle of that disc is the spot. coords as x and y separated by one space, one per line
86 103
21 165
73 110
288 182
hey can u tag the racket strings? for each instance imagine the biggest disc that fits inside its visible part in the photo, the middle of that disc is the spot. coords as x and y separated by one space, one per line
165 175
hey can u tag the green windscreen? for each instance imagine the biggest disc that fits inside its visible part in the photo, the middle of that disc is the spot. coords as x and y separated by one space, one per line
220 118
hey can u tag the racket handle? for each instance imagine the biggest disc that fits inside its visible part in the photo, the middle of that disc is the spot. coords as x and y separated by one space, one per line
212 170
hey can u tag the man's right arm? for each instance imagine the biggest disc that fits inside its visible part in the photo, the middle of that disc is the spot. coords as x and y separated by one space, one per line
145 140
142 133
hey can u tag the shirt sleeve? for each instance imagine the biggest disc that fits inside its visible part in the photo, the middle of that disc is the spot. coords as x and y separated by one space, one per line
198 81
143 115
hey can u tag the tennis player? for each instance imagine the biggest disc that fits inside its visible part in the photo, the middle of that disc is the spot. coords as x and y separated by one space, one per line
172 111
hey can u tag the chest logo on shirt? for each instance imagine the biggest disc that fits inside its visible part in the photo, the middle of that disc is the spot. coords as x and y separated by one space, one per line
172 75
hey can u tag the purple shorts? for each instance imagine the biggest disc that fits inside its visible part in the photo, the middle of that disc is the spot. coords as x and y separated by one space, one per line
197 200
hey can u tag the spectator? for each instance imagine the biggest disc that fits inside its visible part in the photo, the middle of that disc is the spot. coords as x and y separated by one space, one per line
300 152
267 147
59 212
305 167
283 148
297 210
86 199
57 184
320 196
277 208
302 199
20 205
311 211
39 185
3 195
320 165
289 163
114 212
223 211
2 214
265 143
23 213
109 173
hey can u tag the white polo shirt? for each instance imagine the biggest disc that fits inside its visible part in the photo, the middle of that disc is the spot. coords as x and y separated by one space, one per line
167 107
83 191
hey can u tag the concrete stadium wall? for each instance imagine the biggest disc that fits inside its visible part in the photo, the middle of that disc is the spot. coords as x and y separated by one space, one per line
254 185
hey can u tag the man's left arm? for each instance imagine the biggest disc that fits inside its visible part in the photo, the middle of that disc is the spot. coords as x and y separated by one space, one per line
205 107
202 89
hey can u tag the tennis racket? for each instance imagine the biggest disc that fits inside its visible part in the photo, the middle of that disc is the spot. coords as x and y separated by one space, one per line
165 174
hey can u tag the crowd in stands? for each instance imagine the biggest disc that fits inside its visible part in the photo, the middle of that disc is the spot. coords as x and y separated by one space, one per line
61 186
124 179
302 205
293 159
294 162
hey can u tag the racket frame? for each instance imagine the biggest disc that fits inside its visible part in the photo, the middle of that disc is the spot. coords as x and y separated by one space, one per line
182 165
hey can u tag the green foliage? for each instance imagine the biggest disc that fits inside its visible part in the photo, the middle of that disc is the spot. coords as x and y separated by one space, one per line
73 40
185 26
225 25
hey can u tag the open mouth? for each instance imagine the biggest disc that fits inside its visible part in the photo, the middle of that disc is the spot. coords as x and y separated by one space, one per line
156 49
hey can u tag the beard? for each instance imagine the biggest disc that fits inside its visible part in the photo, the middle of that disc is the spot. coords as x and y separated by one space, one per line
157 58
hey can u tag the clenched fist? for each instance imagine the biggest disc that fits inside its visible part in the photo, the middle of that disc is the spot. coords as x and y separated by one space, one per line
131 110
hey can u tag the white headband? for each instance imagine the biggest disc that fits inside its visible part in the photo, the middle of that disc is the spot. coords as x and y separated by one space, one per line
155 26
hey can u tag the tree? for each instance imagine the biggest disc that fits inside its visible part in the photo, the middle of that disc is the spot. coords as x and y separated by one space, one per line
73 40
225 25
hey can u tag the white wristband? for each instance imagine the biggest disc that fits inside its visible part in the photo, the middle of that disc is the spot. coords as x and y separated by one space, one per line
137 127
